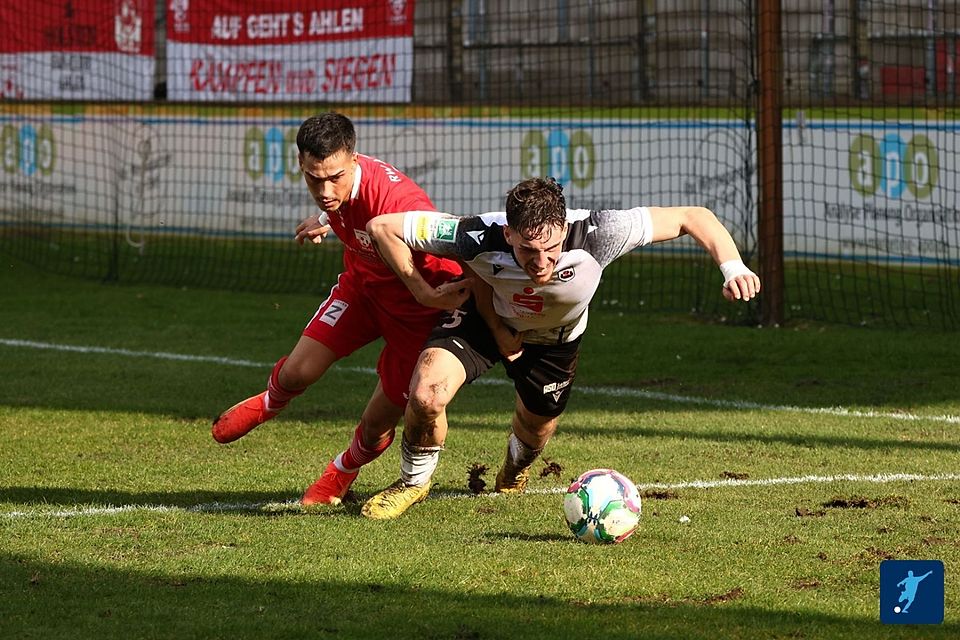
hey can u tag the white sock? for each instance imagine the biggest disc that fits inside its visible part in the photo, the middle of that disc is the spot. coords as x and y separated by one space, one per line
519 455
338 463
417 464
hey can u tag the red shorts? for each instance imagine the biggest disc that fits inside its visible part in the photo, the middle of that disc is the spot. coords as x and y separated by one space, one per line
352 317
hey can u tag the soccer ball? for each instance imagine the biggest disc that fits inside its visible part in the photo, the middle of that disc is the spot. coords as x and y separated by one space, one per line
602 506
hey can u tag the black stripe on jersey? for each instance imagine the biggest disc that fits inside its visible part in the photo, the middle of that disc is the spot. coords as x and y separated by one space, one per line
474 238
577 233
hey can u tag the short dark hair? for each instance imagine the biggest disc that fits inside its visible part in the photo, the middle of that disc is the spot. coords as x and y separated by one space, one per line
324 135
534 204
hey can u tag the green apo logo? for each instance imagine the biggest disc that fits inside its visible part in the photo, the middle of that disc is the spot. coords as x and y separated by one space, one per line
568 158
272 154
890 165
27 149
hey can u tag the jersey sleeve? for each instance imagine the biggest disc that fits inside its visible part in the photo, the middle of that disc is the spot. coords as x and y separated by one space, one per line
444 234
618 232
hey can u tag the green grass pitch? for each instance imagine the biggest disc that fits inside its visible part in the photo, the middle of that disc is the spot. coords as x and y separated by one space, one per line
799 457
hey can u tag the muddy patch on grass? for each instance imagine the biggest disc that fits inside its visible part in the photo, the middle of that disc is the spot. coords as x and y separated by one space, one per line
734 594
874 554
734 475
664 600
475 482
861 502
659 494
806 583
551 468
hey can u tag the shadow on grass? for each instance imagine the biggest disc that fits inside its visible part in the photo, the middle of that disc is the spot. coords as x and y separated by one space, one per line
49 601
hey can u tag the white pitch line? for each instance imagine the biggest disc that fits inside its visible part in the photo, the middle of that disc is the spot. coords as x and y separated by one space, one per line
880 478
210 507
292 506
618 392
160 355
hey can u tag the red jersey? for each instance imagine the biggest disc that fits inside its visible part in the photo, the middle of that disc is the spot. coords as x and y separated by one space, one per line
381 188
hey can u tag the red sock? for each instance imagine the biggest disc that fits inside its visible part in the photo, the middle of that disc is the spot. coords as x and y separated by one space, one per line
359 454
278 396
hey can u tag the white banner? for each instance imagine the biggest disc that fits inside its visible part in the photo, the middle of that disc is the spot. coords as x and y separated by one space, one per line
852 190
347 71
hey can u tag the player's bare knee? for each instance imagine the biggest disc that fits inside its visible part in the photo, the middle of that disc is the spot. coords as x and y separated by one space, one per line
294 374
427 402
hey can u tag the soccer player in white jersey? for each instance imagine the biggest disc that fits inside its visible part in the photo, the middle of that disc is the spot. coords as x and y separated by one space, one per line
542 264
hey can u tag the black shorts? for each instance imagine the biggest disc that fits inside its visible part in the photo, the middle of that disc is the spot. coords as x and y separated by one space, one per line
542 375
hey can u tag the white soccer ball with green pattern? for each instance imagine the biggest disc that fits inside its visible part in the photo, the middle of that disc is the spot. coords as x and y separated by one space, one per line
602 506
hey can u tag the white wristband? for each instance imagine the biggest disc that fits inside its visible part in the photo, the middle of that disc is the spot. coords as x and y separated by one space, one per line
733 268
324 220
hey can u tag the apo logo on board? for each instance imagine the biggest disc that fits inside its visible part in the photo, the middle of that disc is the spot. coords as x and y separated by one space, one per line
271 154
27 149
569 157
890 165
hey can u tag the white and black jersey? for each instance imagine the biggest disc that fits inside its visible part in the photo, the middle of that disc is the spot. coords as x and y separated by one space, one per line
551 313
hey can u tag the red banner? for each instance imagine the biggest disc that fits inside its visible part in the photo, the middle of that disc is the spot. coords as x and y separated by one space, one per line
266 22
77 49
124 26
277 50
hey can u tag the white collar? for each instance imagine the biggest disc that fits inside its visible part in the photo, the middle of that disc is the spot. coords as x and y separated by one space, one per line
356 181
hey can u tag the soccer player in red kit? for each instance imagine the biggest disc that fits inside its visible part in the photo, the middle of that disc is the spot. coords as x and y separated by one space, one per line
368 301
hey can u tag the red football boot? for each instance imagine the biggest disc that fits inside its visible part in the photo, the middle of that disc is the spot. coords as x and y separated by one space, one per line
241 419
331 487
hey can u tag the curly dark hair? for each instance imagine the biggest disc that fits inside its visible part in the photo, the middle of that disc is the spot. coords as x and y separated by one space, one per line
535 204
324 135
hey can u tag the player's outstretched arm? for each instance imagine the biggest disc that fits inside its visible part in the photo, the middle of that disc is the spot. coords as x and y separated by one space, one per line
701 224
386 232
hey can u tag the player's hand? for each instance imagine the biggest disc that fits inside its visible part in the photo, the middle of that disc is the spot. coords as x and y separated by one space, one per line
313 228
449 295
509 342
743 287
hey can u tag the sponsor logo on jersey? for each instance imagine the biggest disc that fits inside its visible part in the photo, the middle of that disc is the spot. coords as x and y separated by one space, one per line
528 300
476 235
566 275
445 230
422 228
